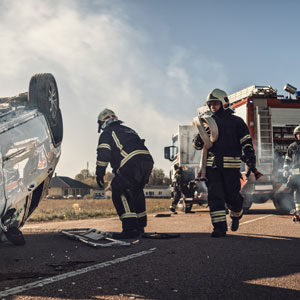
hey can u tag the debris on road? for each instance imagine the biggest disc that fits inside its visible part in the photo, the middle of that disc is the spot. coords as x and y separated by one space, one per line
93 237
157 235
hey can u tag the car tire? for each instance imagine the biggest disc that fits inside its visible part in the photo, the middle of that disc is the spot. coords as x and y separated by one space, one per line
246 203
43 94
284 203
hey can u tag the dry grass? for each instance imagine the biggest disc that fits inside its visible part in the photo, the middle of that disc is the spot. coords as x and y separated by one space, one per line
72 209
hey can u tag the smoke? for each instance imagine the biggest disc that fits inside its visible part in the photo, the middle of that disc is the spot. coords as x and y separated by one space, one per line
100 61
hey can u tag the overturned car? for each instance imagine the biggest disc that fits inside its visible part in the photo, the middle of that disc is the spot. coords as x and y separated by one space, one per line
31 132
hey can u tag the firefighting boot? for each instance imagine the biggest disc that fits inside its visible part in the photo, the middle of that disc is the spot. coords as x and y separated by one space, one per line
234 226
218 232
235 219
173 210
218 218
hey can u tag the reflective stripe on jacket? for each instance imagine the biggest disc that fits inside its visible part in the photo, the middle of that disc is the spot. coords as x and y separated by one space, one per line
117 145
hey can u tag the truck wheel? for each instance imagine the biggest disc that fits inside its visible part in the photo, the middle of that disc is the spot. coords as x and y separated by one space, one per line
284 203
43 95
246 203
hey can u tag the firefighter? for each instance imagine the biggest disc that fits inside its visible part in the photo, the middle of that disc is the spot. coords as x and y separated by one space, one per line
292 171
223 163
131 164
177 184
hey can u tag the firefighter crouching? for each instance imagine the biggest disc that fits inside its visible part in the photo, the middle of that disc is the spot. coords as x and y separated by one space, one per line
292 171
132 164
223 163
177 183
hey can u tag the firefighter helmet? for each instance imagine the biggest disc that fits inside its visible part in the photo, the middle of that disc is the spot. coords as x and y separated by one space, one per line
217 95
106 117
296 130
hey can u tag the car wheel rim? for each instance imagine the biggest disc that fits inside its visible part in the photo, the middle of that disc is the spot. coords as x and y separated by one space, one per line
52 102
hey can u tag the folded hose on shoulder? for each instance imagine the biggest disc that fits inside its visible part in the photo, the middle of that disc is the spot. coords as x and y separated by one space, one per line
202 122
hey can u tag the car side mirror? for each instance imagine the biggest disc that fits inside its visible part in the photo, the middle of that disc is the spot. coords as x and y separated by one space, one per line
170 152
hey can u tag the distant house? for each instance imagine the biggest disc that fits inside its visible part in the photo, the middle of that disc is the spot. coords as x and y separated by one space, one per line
157 191
66 187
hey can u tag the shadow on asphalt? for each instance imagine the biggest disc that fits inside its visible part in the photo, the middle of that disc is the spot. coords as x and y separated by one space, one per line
193 266
251 212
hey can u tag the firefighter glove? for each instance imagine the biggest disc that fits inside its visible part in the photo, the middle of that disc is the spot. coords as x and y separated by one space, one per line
251 161
197 142
100 181
296 217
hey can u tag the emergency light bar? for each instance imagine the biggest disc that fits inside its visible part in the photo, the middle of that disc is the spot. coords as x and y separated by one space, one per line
290 89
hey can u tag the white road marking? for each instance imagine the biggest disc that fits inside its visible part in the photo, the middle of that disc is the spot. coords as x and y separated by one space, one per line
250 221
43 282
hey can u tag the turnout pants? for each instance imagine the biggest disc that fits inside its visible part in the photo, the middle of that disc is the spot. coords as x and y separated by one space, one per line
176 197
223 187
128 195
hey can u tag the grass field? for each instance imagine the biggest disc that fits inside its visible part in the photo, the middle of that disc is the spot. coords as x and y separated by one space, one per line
73 209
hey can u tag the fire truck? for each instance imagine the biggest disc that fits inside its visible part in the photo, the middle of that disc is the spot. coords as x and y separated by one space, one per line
182 153
271 119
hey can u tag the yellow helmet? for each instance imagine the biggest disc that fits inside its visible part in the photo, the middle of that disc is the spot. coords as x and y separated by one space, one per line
217 95
106 117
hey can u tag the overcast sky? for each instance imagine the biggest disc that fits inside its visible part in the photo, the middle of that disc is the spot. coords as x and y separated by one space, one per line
153 61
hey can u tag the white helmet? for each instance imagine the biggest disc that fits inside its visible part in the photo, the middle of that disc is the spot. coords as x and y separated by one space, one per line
296 130
106 117
217 95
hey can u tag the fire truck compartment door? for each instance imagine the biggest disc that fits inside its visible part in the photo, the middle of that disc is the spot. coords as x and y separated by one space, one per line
285 116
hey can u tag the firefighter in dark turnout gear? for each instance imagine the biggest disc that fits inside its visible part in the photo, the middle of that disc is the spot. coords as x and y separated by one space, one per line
292 171
131 164
177 184
223 163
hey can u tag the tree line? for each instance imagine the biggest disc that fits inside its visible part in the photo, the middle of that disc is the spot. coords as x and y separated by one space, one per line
157 177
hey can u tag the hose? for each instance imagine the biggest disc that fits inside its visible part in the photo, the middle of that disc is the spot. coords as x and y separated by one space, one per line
202 122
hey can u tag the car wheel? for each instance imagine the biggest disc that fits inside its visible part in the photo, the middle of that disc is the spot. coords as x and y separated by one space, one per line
284 203
246 203
43 94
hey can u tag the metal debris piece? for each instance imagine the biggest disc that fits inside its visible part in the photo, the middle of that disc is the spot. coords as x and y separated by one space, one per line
93 237
162 215
157 235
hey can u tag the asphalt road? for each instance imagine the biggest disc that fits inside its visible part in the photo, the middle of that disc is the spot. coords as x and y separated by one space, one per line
260 261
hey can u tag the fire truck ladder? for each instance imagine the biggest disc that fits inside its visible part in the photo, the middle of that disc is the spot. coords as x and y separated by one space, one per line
264 148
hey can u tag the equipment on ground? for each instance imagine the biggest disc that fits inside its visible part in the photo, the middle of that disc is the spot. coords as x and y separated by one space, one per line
93 237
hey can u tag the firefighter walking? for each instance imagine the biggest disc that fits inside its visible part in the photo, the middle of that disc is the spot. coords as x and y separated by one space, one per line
223 163
131 164
177 183
292 171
